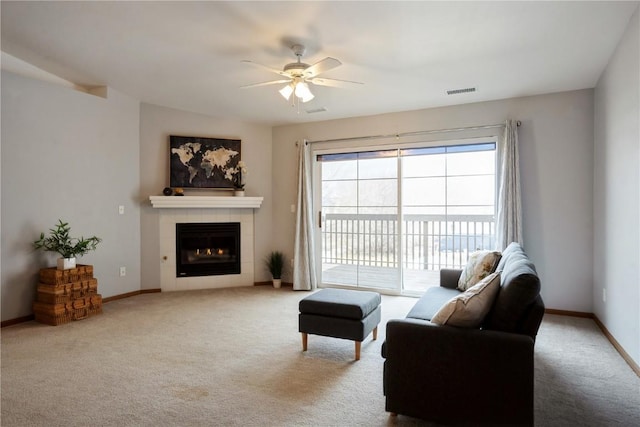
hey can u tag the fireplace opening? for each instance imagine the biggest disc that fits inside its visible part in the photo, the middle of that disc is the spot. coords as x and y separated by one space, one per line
207 249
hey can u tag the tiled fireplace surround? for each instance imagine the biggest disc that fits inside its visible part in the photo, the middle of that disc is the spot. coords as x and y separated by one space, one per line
189 209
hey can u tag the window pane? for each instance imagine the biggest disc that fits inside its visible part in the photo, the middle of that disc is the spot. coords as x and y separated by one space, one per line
423 191
471 210
423 210
377 192
329 210
377 154
373 210
339 193
406 152
474 163
470 190
419 166
339 170
487 146
378 168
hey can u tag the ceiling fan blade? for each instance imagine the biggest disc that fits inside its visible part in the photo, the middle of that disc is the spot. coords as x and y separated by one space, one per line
321 67
321 81
272 82
273 70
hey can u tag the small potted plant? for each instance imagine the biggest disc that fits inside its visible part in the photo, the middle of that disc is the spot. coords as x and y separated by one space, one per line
68 247
275 265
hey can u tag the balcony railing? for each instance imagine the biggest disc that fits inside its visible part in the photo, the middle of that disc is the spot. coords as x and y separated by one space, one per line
429 242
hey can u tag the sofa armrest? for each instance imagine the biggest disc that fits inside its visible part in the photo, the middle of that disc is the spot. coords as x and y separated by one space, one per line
443 373
449 277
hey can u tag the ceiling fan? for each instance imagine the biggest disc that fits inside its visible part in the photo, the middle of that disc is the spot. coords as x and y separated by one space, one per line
298 75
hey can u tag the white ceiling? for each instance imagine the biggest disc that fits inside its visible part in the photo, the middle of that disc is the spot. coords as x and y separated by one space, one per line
187 55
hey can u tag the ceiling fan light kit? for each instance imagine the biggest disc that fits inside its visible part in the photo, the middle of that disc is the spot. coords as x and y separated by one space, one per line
299 88
298 76
303 92
286 91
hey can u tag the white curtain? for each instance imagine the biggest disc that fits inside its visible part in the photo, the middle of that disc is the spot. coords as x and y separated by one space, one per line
509 222
304 266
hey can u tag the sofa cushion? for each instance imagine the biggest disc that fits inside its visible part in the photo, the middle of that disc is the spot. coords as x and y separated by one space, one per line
469 309
479 265
434 298
514 247
519 289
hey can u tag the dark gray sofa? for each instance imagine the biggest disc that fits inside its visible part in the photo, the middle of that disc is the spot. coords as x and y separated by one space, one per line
479 376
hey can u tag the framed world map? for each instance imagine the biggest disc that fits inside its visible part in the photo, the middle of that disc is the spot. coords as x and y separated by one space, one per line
203 162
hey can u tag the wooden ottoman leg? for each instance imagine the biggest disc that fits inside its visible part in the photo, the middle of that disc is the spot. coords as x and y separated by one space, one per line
375 333
358 345
304 341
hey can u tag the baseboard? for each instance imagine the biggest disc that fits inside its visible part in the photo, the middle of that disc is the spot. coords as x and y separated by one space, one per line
569 313
271 284
617 346
31 317
22 319
632 364
130 294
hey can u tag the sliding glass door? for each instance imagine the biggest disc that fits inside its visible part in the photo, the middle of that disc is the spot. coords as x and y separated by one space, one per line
391 219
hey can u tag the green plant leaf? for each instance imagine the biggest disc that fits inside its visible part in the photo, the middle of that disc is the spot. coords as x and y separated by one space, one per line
60 241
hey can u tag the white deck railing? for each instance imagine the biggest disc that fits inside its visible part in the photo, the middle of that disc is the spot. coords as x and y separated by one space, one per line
429 242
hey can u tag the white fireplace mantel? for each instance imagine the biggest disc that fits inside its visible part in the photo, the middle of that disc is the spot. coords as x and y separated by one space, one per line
212 202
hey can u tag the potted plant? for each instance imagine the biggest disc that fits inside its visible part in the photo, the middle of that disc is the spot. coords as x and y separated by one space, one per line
239 177
68 247
275 265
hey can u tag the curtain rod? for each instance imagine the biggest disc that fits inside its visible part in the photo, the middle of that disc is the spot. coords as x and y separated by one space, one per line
420 132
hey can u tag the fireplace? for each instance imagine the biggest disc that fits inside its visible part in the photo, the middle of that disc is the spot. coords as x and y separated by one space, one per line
204 209
207 249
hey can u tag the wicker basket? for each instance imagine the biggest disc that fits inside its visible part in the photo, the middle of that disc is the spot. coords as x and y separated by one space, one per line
56 314
67 295
95 304
53 276
60 294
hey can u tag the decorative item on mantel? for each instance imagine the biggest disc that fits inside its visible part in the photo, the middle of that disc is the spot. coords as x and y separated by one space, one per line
239 174
68 247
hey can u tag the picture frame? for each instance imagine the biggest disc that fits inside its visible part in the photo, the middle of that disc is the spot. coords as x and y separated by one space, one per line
200 162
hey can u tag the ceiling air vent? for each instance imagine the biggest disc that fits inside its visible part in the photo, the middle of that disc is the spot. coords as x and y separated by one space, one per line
459 91
316 110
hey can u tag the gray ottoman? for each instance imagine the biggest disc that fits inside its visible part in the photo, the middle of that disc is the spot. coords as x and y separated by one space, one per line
340 313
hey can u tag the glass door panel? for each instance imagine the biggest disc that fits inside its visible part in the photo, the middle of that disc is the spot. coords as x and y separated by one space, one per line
448 204
359 234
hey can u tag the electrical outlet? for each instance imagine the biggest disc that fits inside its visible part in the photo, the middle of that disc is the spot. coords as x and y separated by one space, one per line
604 294
121 210
123 271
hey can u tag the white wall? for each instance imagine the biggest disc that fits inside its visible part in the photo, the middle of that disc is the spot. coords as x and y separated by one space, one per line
616 264
74 156
156 125
556 155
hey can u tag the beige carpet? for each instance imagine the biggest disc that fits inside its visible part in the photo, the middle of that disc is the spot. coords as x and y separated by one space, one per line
233 357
